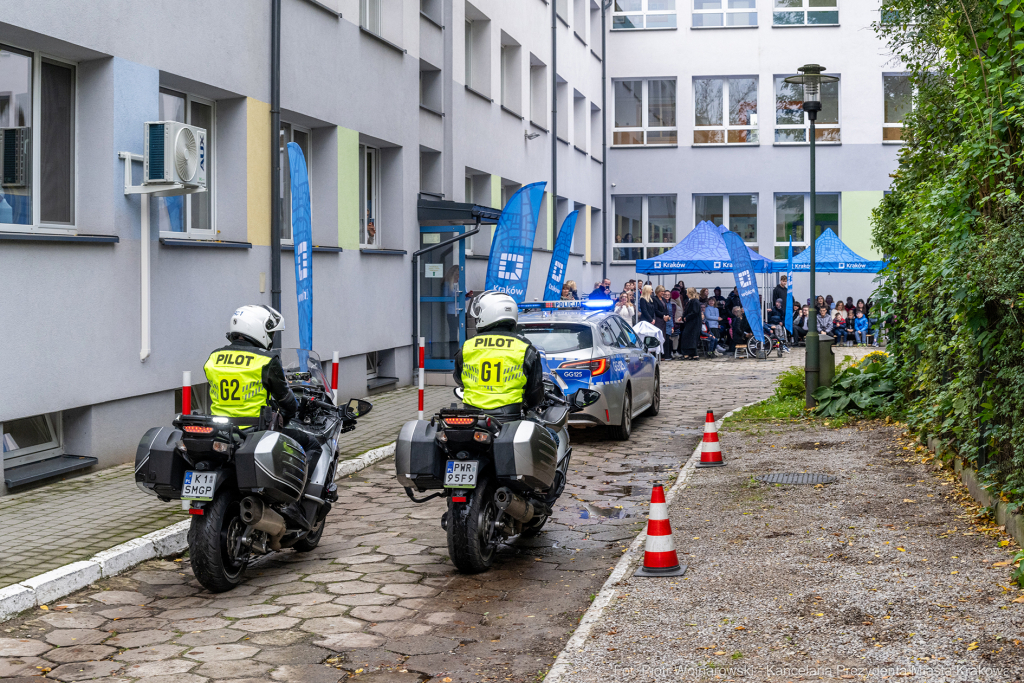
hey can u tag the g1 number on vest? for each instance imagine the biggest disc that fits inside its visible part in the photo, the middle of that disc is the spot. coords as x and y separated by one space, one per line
236 383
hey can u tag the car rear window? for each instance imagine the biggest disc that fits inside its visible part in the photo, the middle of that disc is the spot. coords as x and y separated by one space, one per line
559 337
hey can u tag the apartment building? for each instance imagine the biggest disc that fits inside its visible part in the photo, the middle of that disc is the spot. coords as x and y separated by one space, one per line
704 127
393 102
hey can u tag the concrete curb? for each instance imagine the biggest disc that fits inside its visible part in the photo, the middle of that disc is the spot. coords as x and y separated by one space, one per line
621 571
55 584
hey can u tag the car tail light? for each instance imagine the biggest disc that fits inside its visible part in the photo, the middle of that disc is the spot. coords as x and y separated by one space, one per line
459 421
597 366
197 429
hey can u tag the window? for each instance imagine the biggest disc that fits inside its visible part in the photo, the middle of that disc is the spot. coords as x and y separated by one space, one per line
595 132
469 53
791 122
31 439
37 141
899 97
562 9
580 18
790 210
645 226
372 365
300 136
717 13
738 212
645 112
369 15
579 120
187 215
725 111
538 93
631 15
369 197
478 51
806 13
595 28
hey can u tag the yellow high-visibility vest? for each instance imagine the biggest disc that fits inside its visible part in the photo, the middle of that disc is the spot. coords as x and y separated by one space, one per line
236 382
492 371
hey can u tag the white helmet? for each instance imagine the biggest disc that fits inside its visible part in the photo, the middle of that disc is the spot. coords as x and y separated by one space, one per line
256 323
492 308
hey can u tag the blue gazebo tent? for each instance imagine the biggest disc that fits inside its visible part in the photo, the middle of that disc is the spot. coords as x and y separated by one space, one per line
701 251
831 256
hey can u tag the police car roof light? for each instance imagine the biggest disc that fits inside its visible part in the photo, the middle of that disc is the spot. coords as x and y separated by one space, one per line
567 305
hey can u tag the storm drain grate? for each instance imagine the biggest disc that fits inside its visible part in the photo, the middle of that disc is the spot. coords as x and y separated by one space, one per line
796 478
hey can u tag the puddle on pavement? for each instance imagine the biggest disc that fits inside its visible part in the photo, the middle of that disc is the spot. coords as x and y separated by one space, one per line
589 511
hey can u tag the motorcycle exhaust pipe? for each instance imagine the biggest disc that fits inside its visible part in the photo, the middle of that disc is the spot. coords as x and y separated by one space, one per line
259 516
512 505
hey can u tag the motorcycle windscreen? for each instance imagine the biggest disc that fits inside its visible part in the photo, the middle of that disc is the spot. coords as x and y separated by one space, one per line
567 351
304 367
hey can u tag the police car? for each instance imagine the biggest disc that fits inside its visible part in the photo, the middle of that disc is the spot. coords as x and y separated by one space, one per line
590 347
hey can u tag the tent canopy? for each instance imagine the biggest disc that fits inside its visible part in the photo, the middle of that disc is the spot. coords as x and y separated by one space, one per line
701 251
831 256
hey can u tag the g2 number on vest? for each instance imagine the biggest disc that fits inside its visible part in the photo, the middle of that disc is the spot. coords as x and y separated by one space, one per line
229 390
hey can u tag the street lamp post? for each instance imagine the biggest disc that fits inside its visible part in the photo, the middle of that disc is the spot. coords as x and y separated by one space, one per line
811 79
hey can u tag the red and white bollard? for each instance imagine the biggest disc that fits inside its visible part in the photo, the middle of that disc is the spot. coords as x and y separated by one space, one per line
422 354
186 393
334 377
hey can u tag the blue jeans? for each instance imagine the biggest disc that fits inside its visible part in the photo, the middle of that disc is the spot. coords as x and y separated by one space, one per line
862 336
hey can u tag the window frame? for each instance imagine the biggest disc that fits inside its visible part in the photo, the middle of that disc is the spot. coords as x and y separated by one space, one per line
727 213
645 106
37 225
725 11
898 126
372 365
468 49
643 13
645 219
365 15
805 243
286 210
364 151
806 126
31 454
211 176
805 8
753 130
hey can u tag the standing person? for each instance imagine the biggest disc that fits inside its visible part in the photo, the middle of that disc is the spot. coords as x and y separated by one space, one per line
678 299
849 303
572 289
703 298
625 309
646 305
661 313
713 319
718 296
733 300
689 336
451 289
819 301
670 331
830 302
603 290
781 289
566 292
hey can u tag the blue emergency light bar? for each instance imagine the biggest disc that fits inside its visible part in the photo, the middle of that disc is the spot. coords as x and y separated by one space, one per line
568 305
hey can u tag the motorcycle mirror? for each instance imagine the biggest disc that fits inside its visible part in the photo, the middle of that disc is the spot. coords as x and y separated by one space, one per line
585 397
459 393
651 343
357 408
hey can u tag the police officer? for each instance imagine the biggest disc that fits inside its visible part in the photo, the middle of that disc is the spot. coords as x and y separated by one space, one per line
246 373
499 370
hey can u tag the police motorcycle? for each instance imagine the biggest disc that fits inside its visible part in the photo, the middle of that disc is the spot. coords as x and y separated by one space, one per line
251 489
500 478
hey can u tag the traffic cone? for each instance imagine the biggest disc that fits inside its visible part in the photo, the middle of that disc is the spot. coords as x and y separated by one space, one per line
660 553
710 450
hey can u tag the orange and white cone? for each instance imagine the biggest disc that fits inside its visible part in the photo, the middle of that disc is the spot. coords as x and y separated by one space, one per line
711 449
660 554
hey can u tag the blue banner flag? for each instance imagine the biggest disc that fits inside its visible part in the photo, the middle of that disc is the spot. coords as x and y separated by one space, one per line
789 289
560 258
302 237
512 248
746 284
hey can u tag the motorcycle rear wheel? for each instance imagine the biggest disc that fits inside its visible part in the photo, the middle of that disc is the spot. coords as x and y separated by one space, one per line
211 539
311 540
472 542
534 527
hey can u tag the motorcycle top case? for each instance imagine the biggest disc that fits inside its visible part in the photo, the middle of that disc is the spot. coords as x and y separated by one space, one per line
419 462
271 464
526 452
159 467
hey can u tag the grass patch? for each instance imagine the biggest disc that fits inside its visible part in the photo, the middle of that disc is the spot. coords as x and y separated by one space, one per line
785 406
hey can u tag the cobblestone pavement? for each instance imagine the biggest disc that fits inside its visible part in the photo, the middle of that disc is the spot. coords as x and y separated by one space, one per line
378 599
50 526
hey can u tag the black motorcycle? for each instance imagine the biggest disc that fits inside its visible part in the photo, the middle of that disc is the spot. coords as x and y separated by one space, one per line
252 489
501 476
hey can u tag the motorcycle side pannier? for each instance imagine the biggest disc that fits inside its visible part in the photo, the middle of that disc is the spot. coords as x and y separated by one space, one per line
272 464
159 467
526 452
419 462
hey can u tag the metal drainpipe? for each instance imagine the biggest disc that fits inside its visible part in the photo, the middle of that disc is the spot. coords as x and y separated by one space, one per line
604 144
275 159
554 117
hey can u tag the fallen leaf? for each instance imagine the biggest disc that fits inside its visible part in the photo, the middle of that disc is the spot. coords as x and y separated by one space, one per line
1000 564
43 607
972 646
1003 544
1020 599
954 572
902 550
720 652
741 628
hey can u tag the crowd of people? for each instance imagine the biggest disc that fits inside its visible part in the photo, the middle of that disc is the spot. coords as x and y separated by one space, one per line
701 321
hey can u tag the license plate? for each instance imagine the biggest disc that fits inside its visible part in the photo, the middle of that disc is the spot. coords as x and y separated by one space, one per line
460 474
198 485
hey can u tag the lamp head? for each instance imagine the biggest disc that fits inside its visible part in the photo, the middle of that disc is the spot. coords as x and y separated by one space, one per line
811 79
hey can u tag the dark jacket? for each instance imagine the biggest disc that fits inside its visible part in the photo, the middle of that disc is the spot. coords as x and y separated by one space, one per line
779 293
648 310
533 392
600 293
740 330
689 336
776 316
273 377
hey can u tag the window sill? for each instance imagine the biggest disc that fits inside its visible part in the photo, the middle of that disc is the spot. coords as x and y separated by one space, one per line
562 140
564 22
431 20
185 242
805 144
714 28
726 144
581 151
397 48
639 30
480 94
432 111
383 252
538 126
325 8
316 249
513 113
378 382
891 142
805 25
596 56
600 161
56 237
642 146
580 38
477 257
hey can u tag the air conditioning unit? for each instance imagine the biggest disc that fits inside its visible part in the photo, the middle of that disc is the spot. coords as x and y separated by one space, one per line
175 153
14 167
